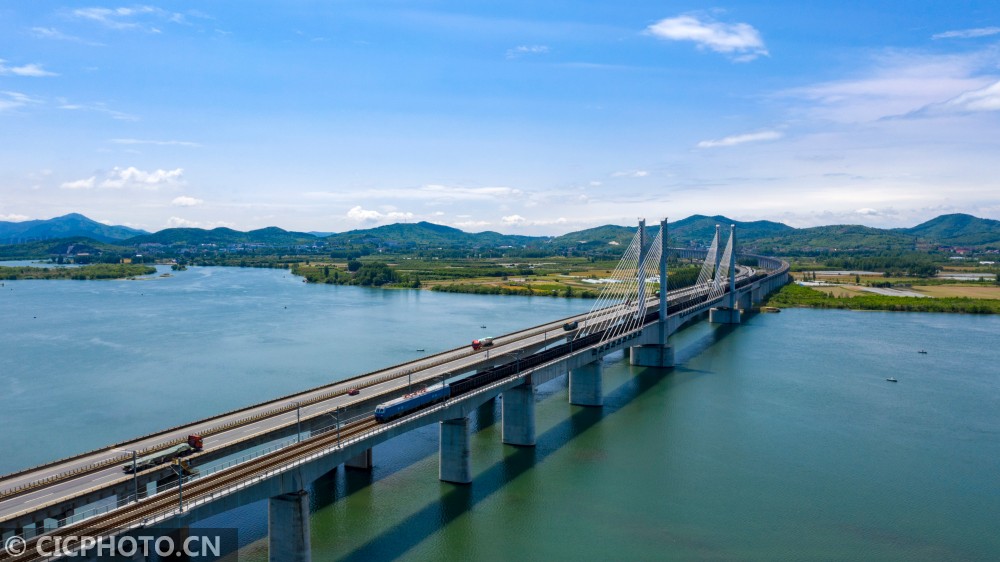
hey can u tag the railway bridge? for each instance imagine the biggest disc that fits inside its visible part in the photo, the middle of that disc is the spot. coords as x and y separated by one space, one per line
275 450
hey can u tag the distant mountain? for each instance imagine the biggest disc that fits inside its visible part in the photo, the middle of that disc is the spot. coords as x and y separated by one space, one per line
271 235
696 230
427 234
66 226
957 230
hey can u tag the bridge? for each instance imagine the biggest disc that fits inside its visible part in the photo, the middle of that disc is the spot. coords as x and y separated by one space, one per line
276 449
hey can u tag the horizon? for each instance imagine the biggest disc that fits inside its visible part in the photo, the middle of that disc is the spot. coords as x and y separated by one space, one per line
502 118
650 224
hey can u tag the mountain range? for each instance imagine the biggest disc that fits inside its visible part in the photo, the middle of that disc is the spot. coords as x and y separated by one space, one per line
696 230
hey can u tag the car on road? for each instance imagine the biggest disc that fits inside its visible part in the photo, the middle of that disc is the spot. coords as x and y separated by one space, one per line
353 392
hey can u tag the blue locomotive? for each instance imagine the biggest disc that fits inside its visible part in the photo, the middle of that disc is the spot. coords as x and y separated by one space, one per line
411 402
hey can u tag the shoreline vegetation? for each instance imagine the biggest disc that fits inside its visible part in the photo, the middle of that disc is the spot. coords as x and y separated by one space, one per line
794 295
81 273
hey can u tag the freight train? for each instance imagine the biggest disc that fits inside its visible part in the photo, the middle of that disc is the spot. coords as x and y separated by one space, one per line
438 393
194 444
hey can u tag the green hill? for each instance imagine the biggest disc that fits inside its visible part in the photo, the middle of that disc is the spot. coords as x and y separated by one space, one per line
427 234
272 236
66 226
957 230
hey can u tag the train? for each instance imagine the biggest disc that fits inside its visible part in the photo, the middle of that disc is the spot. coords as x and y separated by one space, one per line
194 444
438 393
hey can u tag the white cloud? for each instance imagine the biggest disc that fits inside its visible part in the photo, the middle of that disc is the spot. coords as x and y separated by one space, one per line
156 142
186 201
431 192
513 220
137 17
740 139
983 99
967 33
13 218
366 216
98 107
130 177
33 70
87 183
14 100
178 222
739 40
55 34
628 174
522 50
470 224
897 84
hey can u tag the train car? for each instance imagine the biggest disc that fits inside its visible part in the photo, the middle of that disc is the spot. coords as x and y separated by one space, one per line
194 444
481 343
411 402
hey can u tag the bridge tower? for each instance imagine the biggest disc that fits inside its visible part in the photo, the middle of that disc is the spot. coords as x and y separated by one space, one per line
658 354
728 314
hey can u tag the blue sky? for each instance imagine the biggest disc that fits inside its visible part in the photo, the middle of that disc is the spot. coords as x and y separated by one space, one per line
515 116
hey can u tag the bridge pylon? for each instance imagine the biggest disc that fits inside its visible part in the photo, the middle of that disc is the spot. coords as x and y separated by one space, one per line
658 354
728 314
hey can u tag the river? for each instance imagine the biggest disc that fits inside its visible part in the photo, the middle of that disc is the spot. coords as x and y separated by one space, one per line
779 438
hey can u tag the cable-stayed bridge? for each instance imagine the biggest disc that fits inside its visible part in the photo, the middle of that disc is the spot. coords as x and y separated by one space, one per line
275 450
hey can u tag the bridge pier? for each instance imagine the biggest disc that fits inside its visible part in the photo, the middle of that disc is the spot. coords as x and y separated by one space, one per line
586 385
362 461
455 454
518 412
652 355
288 528
724 315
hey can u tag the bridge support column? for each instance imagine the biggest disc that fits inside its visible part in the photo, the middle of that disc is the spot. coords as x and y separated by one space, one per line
518 411
724 315
288 528
653 355
586 386
362 461
455 455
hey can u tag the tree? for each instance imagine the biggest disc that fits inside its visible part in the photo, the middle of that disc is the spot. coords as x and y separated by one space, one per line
353 265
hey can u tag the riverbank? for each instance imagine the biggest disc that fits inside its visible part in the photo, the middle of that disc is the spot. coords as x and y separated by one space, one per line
83 272
794 295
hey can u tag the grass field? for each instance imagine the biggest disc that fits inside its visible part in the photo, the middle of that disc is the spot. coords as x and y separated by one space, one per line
936 291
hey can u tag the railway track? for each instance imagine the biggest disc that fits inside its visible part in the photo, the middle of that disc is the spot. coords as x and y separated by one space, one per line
166 502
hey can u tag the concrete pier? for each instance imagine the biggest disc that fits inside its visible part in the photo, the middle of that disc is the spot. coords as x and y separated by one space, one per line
363 461
455 457
586 386
288 528
724 315
653 355
518 412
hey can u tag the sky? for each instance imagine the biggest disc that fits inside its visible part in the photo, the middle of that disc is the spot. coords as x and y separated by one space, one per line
515 116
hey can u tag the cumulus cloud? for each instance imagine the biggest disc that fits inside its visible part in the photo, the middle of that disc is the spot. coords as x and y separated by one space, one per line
431 192
470 224
186 201
513 220
120 178
178 222
522 50
967 33
87 183
13 218
740 139
33 70
738 40
368 216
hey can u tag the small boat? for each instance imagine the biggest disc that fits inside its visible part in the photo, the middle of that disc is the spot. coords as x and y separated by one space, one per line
892 379
922 351
483 326
421 349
